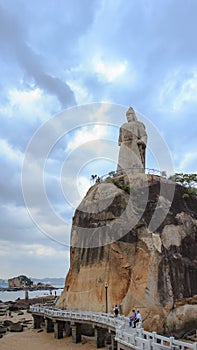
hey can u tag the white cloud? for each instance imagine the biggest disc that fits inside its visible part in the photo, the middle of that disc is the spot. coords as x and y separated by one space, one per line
87 134
187 93
187 161
41 250
83 185
24 98
101 113
8 152
32 259
108 70
28 249
29 104
178 91
81 93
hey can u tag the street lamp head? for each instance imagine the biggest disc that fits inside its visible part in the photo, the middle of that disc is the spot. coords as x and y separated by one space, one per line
106 285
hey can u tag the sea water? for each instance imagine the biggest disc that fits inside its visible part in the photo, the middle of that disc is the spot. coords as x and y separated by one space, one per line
13 295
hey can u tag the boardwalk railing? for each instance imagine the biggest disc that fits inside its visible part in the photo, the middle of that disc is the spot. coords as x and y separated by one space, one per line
136 338
113 174
95 317
151 341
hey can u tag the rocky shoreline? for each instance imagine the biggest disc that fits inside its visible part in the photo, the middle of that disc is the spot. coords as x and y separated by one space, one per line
33 288
20 324
11 310
21 304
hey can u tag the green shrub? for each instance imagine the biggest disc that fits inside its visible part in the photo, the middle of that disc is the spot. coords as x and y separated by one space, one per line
126 188
185 195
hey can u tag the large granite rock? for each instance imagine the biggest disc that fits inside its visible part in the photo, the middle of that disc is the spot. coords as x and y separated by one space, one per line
143 244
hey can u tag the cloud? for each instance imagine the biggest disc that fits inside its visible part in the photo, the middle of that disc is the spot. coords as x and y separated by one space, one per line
141 42
108 71
179 91
11 160
187 161
87 134
55 86
30 260
138 53
28 104
14 41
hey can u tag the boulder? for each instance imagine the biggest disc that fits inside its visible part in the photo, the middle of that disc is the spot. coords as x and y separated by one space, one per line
20 313
16 327
2 329
7 323
138 234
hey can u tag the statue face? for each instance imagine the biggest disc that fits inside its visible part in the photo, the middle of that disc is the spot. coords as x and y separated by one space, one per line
131 117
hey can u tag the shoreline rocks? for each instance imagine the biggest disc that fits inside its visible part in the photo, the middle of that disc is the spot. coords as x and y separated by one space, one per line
12 322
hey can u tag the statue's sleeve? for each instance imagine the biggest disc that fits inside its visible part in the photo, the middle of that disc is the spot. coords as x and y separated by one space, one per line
142 133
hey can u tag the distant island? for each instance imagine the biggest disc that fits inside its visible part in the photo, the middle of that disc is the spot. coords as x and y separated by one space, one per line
3 281
23 282
52 280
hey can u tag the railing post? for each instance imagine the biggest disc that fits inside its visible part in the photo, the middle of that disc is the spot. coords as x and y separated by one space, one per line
171 341
154 336
140 332
135 341
149 344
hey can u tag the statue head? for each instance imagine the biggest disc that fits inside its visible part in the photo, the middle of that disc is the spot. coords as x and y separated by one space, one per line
131 116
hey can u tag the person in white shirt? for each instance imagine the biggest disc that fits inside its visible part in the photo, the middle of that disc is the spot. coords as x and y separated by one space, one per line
138 319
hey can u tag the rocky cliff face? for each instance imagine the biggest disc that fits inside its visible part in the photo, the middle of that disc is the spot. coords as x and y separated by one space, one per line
140 236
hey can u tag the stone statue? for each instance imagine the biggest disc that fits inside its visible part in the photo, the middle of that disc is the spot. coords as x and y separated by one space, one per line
132 141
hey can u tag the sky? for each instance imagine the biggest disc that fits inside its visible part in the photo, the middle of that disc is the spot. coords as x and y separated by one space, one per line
69 71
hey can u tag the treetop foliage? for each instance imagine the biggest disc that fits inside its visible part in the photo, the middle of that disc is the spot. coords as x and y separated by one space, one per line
186 180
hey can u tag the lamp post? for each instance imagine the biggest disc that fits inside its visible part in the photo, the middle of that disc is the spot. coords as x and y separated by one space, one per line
106 300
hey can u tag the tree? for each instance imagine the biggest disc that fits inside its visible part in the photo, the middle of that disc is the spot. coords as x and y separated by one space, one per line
93 178
98 180
112 173
188 181
25 280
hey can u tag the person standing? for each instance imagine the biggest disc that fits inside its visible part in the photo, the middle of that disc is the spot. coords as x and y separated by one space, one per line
116 311
132 318
138 319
